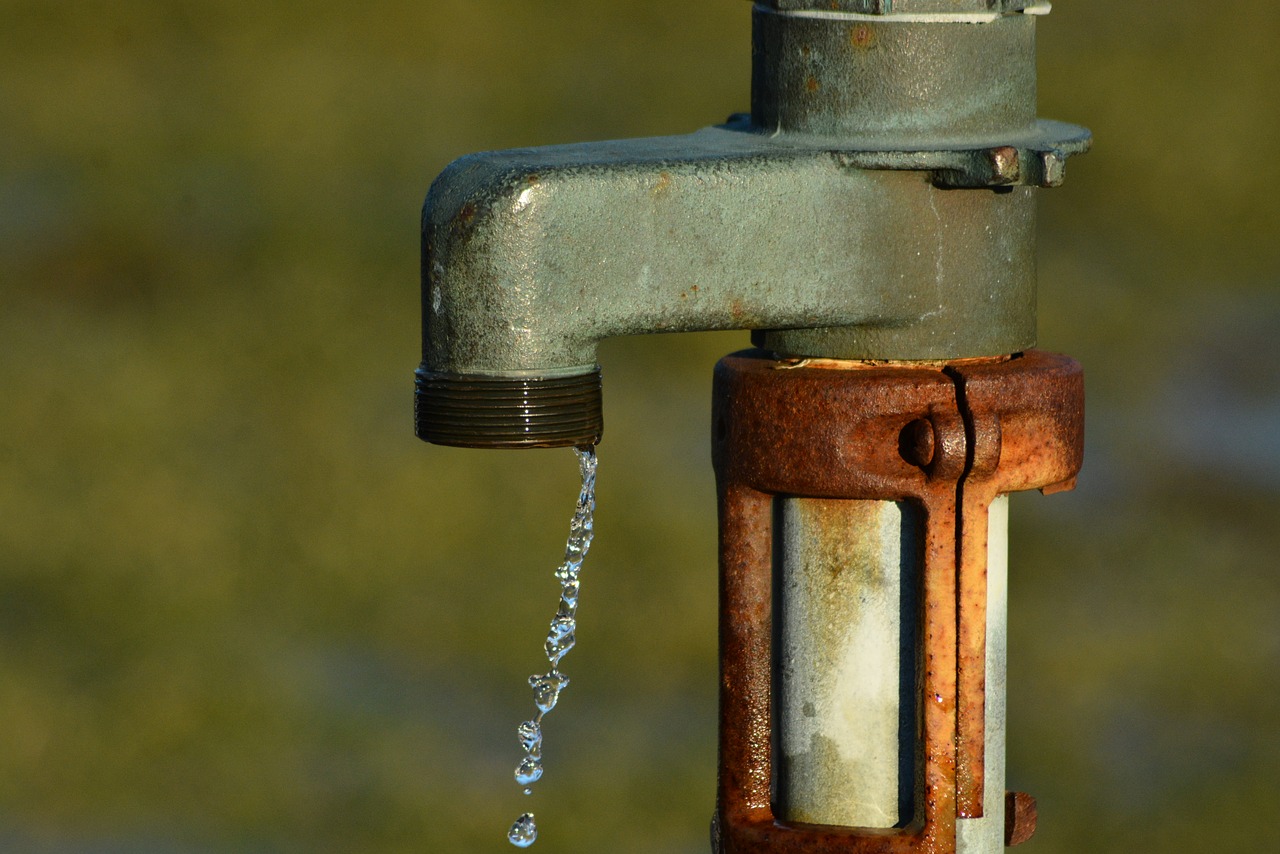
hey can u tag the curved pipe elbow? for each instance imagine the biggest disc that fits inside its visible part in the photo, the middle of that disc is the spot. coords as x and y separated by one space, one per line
531 257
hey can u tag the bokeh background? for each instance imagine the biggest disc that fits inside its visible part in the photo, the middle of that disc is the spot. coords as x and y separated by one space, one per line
243 609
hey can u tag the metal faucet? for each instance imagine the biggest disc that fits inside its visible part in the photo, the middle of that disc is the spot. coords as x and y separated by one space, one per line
872 222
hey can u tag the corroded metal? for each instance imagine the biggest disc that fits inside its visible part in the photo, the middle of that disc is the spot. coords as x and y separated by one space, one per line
838 432
878 203
1020 816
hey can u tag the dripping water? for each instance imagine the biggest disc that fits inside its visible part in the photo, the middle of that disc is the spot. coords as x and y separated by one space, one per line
561 638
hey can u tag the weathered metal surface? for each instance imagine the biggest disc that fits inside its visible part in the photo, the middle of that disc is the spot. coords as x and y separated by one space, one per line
822 221
985 834
1029 423
910 7
846 599
893 82
782 430
1020 818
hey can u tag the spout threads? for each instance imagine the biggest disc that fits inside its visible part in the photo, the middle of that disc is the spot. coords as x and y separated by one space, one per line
476 411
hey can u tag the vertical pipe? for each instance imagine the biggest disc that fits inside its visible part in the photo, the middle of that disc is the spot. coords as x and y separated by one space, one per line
846 603
985 835
847 579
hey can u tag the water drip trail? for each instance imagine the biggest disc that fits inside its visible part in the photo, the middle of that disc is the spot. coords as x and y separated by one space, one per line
561 638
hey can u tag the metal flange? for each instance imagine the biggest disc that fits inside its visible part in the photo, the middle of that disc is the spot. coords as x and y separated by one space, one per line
1037 159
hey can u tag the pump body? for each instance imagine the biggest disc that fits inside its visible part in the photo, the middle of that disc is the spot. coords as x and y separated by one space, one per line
872 222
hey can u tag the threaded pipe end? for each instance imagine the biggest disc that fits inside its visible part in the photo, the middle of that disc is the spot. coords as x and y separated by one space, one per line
476 411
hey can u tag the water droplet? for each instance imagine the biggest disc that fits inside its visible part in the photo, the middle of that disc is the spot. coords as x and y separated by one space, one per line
530 736
529 771
524 832
547 688
569 596
561 637
569 571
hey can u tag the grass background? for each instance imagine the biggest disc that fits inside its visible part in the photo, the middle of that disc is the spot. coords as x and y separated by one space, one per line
242 609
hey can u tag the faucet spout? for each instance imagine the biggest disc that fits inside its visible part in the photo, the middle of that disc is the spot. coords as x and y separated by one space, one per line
839 236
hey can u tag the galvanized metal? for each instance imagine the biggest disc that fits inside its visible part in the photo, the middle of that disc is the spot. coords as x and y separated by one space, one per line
877 205
533 256
840 432
894 82
846 599
823 221
985 834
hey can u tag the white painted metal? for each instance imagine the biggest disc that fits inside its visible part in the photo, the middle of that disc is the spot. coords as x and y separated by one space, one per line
845 662
846 605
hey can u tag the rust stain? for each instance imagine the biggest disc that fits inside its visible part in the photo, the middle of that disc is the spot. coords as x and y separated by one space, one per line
463 221
663 184
860 364
862 37
1020 815
812 84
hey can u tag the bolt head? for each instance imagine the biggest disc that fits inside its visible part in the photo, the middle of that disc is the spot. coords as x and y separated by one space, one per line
916 443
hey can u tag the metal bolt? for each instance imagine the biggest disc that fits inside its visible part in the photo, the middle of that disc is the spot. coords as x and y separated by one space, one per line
1006 166
1054 166
916 443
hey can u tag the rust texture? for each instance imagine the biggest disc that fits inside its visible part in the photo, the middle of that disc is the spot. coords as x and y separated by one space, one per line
947 438
1019 818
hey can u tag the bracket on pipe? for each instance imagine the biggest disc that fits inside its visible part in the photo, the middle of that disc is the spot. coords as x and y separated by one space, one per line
861 432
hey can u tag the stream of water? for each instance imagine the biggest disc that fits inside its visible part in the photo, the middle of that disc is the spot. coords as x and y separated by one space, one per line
560 639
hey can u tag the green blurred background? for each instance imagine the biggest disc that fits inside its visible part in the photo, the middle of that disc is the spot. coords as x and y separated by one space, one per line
243 609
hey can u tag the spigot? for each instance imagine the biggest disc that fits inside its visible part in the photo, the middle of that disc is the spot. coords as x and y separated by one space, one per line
872 223
823 221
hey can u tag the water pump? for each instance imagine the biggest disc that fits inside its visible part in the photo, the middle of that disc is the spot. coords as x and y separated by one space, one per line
871 221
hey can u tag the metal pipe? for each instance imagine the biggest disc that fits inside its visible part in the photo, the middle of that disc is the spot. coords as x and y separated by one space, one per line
846 599
818 222
877 205
986 834
950 441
